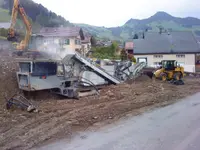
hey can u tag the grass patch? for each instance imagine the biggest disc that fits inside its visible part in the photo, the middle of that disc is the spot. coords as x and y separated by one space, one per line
3 38
4 15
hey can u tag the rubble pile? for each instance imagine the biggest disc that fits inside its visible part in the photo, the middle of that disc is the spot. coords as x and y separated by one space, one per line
61 117
8 81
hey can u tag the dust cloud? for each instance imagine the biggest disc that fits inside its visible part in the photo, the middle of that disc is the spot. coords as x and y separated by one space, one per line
53 51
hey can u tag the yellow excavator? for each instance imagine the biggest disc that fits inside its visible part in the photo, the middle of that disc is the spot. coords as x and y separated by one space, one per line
12 36
170 71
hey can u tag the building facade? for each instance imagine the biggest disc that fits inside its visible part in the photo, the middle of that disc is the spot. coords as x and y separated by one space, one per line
179 46
185 60
63 39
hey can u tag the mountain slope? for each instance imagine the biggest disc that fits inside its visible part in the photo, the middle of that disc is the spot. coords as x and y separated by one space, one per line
38 14
153 23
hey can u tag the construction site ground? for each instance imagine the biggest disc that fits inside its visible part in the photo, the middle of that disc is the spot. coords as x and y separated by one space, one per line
60 117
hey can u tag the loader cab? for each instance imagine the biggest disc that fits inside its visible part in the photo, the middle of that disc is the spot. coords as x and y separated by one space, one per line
169 64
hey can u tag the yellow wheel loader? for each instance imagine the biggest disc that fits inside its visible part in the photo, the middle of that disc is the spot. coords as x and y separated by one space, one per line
170 71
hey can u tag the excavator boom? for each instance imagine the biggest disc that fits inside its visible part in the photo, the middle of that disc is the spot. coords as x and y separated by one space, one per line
12 36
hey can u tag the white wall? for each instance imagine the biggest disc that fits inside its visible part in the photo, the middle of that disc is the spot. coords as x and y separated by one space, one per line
86 47
188 62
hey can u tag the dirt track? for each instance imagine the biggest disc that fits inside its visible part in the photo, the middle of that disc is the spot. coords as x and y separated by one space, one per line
61 117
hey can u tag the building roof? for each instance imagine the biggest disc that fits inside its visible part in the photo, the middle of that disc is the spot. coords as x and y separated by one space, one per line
5 25
198 38
64 32
87 37
173 42
59 32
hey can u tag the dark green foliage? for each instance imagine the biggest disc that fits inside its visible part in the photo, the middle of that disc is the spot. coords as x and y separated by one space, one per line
123 55
93 41
3 32
106 52
131 58
38 13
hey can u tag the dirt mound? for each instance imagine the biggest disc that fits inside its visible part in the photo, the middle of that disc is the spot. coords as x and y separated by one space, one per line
61 117
144 78
8 81
42 95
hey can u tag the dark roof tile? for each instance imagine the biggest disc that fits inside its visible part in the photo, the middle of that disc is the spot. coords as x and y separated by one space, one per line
60 31
177 42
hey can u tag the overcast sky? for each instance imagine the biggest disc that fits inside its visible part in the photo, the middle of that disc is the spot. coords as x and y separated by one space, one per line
110 13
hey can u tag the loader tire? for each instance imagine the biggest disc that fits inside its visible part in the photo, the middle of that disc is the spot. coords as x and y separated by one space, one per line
163 77
177 76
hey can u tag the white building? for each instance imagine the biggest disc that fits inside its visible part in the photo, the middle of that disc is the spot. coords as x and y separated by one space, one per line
66 38
180 46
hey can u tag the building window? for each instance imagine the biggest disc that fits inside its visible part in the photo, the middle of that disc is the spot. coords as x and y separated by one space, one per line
60 41
158 56
180 56
77 42
157 63
181 63
51 40
45 41
67 42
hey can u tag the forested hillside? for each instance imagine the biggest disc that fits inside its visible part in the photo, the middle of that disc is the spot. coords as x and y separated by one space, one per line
40 16
153 23
36 12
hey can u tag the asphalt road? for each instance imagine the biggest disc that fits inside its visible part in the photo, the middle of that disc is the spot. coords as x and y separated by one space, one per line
175 127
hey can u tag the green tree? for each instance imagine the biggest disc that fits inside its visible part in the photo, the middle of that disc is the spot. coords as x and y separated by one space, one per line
93 41
131 58
3 32
105 52
123 55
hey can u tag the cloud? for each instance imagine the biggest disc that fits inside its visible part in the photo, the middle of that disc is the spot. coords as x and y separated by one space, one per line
117 12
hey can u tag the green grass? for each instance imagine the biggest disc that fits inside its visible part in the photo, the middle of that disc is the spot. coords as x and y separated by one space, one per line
2 38
4 15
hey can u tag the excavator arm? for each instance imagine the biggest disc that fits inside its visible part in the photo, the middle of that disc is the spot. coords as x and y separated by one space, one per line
17 8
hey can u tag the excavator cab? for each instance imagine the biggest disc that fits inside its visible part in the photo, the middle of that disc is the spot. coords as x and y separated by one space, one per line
170 71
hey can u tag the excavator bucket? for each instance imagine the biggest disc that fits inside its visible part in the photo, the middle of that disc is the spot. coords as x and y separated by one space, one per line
13 38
